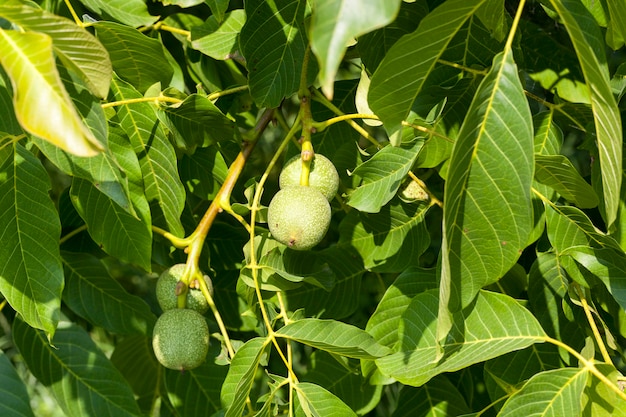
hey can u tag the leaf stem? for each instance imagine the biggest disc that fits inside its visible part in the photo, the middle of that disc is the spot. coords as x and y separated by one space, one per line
462 67
424 187
177 242
514 24
322 99
427 130
163 99
73 13
588 365
320 126
218 94
162 26
592 323
73 233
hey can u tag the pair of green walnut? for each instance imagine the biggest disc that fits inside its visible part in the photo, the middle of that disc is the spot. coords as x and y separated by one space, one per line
299 215
180 338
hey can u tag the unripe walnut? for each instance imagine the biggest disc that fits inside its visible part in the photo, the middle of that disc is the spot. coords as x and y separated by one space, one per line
180 339
299 217
323 175
166 290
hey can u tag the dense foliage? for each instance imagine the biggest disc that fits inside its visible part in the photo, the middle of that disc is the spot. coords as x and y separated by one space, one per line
475 259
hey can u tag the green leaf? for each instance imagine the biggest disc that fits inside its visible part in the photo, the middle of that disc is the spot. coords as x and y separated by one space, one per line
334 23
388 241
37 89
196 393
14 400
31 275
438 397
136 58
608 264
616 30
587 40
130 12
203 172
343 299
342 378
156 155
314 400
243 367
552 393
401 75
117 232
218 8
92 294
198 122
334 337
81 378
78 49
598 399
273 41
382 176
557 172
219 39
487 204
493 325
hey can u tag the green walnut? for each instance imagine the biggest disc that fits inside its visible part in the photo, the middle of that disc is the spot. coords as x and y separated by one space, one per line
166 290
323 175
180 339
299 216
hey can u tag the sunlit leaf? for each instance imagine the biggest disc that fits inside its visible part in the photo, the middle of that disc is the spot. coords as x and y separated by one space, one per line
314 400
156 155
273 41
31 275
382 176
81 378
487 204
335 337
219 39
557 172
78 49
240 377
335 23
131 12
598 399
493 325
403 72
552 393
438 397
136 58
37 89
587 40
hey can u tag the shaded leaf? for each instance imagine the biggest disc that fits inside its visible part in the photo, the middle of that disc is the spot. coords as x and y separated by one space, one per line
388 241
94 295
401 75
342 378
156 155
14 400
334 337
131 12
203 172
493 325
335 23
31 275
196 393
136 58
598 399
587 40
37 88
273 41
314 400
382 176
216 38
76 47
550 393
240 377
487 205
557 172
81 378
196 121
437 397
118 233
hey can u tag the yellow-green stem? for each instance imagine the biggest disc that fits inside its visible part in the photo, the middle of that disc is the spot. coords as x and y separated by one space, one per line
322 99
163 99
177 242
73 233
592 323
319 126
588 365
218 94
73 13
218 317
